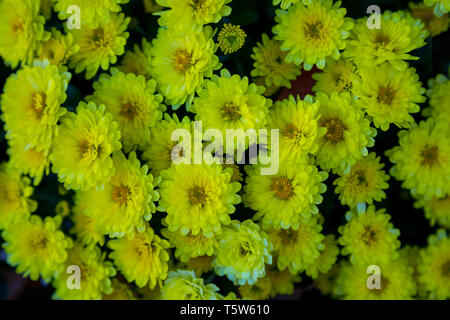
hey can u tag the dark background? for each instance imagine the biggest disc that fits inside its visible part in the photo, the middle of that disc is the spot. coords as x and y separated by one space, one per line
255 17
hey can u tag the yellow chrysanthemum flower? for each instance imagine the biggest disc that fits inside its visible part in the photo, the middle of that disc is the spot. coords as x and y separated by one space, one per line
396 282
199 265
58 49
298 124
180 62
35 94
242 252
231 38
434 271
126 201
95 274
364 183
389 95
84 227
81 153
435 25
283 282
270 64
22 30
231 102
138 61
422 160
36 247
142 259
282 200
312 32
399 33
368 237
100 43
15 193
204 198
27 160
441 7
296 249
348 132
120 291
184 285
437 210
338 76
158 150
439 94
326 260
259 291
188 15
133 103
91 11
190 246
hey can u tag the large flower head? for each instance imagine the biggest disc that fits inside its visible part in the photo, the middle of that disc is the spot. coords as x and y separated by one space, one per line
368 237
137 61
422 160
242 253
298 124
283 199
181 61
15 193
296 249
348 132
434 271
184 285
437 210
204 198
142 259
399 34
95 274
126 201
191 15
34 93
364 183
396 282
231 102
100 43
58 49
36 247
133 102
389 95
82 151
338 76
312 32
270 64
22 30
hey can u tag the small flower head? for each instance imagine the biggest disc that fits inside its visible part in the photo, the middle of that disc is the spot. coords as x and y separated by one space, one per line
441 7
312 32
337 76
434 24
437 210
231 38
58 49
242 252
439 94
261 290
138 61
326 260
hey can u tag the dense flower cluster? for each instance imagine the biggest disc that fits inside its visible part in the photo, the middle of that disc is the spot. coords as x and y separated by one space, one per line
143 216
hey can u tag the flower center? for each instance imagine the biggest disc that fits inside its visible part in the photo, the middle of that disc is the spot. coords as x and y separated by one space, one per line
430 155
282 188
369 236
382 40
245 249
446 269
335 129
230 112
182 61
198 196
121 194
89 150
361 178
384 283
100 39
130 109
199 5
39 242
313 30
292 132
38 103
386 95
17 27
288 237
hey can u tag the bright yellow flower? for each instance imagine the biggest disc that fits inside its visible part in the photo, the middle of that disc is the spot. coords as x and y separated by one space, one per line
399 34
337 76
58 49
312 32
82 151
138 61
22 30
439 94
184 285
100 43
84 227
133 103
364 183
368 237
242 252
95 274
91 11
435 25
142 259
36 247
198 198
326 260
231 38
180 62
